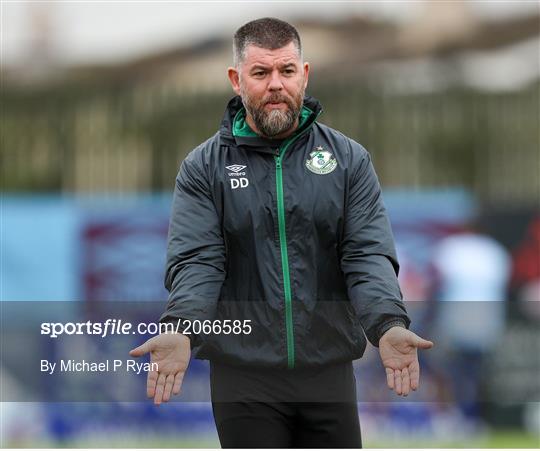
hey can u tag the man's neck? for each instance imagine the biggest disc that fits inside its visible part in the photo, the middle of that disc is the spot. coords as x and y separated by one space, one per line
283 135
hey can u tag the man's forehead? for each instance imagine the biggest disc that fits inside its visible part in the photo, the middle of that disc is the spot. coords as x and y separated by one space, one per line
257 55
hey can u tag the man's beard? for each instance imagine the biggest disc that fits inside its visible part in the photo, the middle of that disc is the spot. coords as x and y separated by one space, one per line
274 122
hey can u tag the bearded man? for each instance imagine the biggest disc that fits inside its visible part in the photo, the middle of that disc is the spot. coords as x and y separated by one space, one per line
280 244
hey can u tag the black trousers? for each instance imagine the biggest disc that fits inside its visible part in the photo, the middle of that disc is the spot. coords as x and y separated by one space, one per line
300 408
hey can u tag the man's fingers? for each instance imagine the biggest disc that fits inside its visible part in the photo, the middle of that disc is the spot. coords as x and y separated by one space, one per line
160 386
151 383
390 378
405 382
177 383
423 344
141 350
168 387
397 381
414 374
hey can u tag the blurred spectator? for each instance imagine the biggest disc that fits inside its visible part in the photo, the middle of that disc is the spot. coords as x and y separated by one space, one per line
526 271
21 422
471 267
473 271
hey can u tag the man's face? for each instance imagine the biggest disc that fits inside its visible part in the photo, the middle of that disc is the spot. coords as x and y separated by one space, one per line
272 85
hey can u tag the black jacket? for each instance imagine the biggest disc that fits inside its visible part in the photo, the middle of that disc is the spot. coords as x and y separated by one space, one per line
291 235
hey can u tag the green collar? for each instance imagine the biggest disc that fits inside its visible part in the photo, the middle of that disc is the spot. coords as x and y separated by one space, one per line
241 127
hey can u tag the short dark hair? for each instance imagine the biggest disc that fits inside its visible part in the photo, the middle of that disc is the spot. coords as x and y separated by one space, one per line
267 33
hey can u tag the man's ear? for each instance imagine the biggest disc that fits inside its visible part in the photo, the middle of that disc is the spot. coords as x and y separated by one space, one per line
234 78
306 74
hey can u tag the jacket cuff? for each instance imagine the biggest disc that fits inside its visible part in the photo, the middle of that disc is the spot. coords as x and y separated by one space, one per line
388 325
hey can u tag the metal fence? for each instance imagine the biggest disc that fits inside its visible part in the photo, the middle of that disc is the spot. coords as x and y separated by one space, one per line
132 137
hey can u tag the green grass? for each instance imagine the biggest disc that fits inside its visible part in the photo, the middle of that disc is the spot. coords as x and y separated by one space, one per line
499 439
112 442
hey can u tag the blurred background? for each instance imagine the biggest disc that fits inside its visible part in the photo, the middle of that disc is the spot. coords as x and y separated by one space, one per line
101 101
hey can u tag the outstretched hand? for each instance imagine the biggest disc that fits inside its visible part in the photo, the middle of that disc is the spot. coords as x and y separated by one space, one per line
171 352
398 350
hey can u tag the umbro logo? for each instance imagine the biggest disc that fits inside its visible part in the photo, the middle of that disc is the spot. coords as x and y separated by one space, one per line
235 167
237 176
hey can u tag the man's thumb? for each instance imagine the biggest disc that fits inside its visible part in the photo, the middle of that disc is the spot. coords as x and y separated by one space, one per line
140 351
423 344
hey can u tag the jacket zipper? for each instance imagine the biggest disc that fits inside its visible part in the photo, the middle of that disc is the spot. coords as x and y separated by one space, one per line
284 255
278 158
284 262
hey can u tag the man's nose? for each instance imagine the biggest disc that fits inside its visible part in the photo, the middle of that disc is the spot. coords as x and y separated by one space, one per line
275 83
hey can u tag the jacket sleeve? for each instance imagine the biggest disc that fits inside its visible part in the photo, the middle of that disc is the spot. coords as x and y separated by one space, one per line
368 256
195 267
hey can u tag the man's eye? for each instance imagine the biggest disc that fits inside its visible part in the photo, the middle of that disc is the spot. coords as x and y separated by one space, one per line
258 74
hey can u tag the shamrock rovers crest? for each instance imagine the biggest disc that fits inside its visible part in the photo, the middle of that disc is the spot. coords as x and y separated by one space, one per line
321 161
